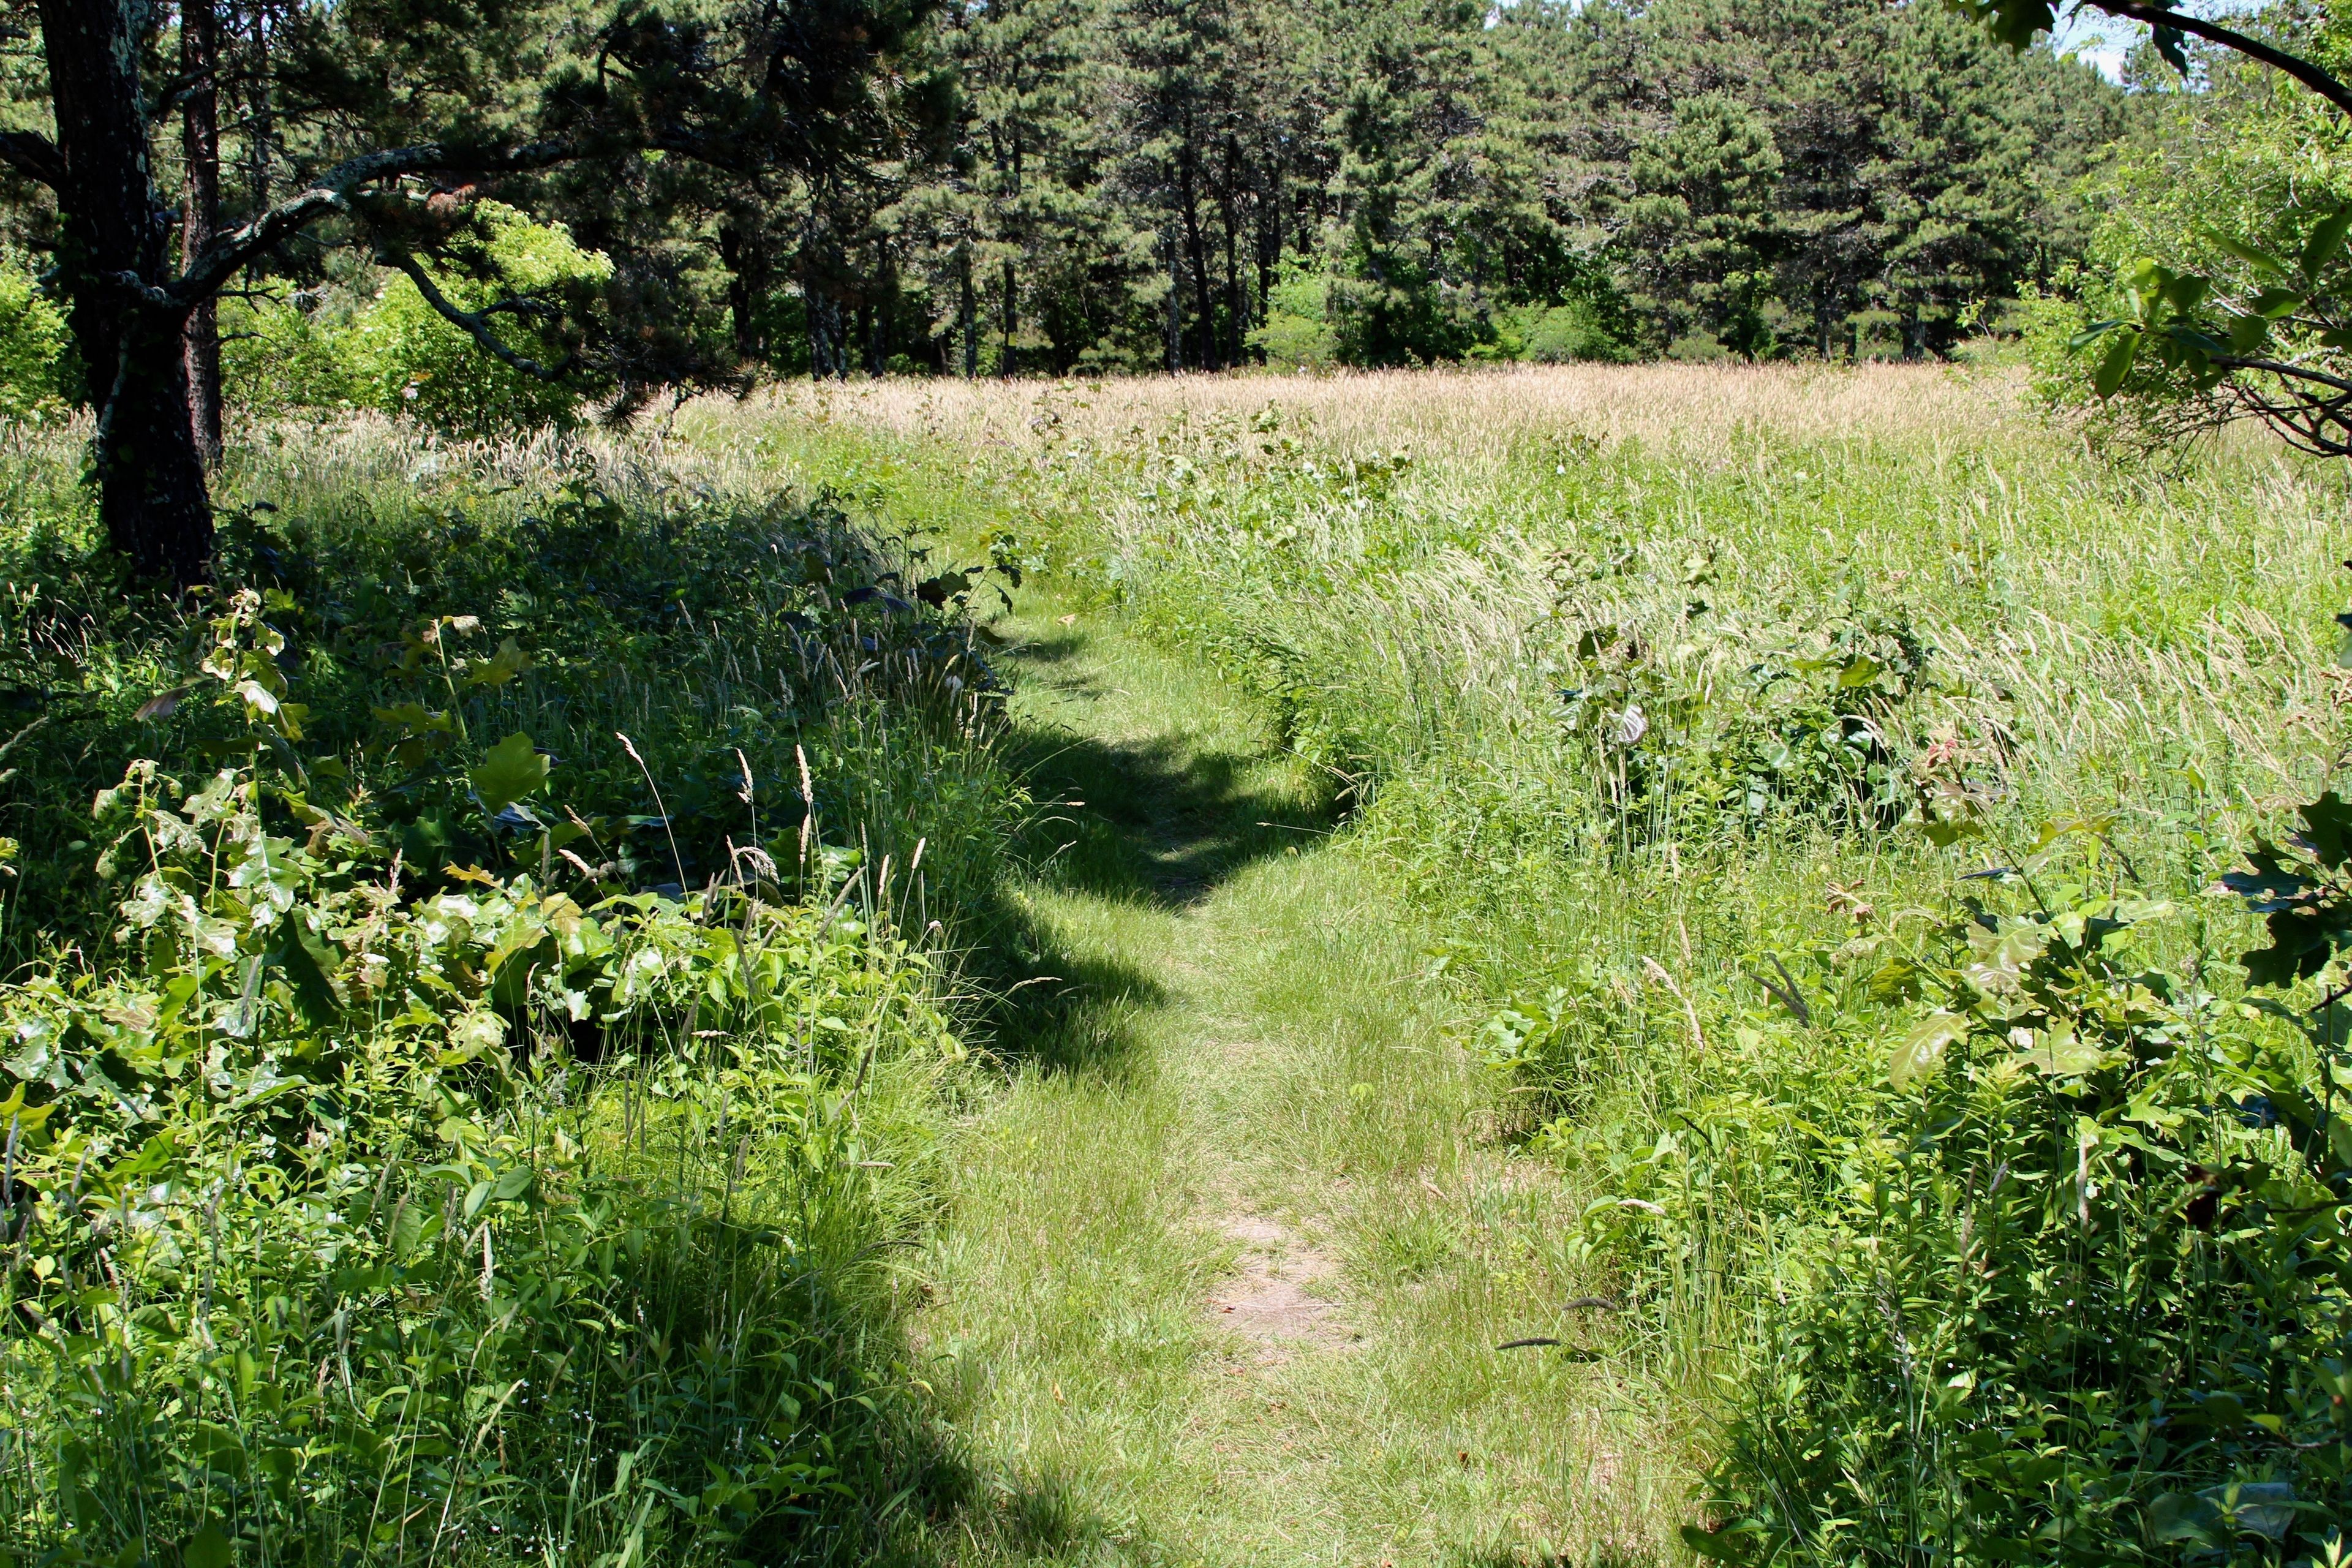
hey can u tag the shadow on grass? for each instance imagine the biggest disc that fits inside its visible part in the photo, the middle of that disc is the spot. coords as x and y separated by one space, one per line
1151 824
1148 827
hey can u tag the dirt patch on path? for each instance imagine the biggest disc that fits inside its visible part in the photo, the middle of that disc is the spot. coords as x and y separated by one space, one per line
1279 1297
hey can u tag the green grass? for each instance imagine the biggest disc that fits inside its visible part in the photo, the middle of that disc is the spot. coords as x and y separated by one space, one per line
1439 597
1262 1043
1298 989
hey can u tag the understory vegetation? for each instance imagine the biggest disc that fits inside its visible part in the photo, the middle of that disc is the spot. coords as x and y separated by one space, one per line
1894 856
466 1072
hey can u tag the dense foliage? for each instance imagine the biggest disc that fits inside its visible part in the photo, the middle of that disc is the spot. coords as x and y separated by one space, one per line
468 1044
1126 184
1848 839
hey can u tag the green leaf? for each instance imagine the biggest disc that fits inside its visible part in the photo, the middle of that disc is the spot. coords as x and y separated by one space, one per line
2169 42
2091 335
2186 292
1922 1050
499 668
2274 302
2175 1518
2261 261
2116 364
2326 242
2060 1053
207 1548
513 769
310 966
2328 830
2013 22
2248 333
1730 1545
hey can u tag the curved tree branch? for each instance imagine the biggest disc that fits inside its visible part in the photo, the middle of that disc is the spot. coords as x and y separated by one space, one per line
2320 81
34 156
2281 368
332 191
476 324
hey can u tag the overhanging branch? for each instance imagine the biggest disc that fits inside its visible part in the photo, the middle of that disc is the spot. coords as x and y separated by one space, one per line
332 191
34 156
2303 70
476 324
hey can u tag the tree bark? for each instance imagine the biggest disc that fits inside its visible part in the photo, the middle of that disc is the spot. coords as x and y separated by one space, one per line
742 250
1012 307
200 214
1197 248
114 250
970 316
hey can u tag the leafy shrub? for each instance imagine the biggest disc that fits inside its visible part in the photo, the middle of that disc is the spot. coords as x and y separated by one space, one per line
1575 330
2085 1299
1750 724
323 1241
281 351
407 359
437 1125
33 349
736 645
1297 333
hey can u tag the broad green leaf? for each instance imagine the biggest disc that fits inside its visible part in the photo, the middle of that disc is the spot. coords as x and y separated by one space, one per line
2091 335
513 769
207 1548
2186 292
2261 261
309 965
2116 364
2060 1053
1922 1050
2248 334
2328 830
2274 302
501 667
2326 242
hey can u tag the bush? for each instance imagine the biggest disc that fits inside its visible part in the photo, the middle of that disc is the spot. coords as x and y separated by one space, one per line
283 350
442 1128
33 349
2086 1298
406 359
1297 332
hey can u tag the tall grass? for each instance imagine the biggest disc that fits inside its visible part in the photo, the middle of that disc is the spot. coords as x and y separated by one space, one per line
471 1079
1602 660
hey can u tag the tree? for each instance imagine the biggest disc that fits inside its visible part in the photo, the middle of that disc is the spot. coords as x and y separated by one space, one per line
1701 224
2256 322
409 111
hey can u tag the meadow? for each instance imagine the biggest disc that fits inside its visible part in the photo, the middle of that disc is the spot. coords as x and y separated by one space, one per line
1585 965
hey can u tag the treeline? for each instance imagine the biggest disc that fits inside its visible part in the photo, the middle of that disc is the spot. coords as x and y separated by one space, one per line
1003 187
1199 184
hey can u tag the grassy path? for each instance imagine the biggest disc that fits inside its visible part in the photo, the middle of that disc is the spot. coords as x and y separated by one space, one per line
1228 1259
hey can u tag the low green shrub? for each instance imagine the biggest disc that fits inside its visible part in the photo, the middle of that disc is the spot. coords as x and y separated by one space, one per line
326 1238
461 1083
2086 1294
34 349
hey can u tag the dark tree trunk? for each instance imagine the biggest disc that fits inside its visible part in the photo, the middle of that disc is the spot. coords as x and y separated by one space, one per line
970 309
1270 235
745 255
1012 305
151 479
1197 250
200 214
1175 308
